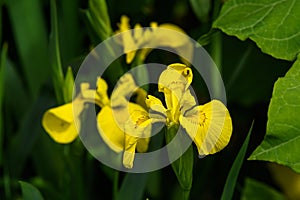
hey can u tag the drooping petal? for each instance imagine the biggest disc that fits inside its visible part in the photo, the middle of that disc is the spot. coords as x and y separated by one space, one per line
210 127
129 151
176 39
112 125
110 130
137 135
188 101
59 123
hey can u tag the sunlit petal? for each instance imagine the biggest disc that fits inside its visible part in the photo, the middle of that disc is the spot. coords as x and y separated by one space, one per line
209 126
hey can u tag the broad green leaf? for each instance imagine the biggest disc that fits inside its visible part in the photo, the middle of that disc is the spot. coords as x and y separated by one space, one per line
272 24
229 187
30 37
30 192
56 66
132 187
183 166
259 191
282 140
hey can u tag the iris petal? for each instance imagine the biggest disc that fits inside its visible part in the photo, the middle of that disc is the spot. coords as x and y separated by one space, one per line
59 122
210 127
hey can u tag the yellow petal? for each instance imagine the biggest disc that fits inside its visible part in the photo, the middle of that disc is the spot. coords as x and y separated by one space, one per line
89 95
209 126
111 125
59 122
138 132
173 82
129 151
102 92
157 111
109 129
176 39
141 95
184 71
123 91
127 39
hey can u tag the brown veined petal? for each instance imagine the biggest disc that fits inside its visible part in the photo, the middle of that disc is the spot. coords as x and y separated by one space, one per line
210 127
59 122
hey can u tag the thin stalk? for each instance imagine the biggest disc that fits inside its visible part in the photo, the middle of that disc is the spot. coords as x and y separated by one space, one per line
116 184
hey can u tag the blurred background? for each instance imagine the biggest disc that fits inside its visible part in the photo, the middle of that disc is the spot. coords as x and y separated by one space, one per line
28 55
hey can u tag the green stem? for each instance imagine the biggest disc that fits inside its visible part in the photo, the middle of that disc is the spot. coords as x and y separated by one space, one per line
116 184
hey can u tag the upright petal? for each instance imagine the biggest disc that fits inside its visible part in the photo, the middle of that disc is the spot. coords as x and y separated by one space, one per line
173 82
102 92
209 126
127 39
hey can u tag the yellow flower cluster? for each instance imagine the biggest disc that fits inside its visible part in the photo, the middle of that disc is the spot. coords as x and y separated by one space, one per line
126 126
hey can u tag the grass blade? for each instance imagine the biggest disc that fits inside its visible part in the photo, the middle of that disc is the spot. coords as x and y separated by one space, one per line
235 169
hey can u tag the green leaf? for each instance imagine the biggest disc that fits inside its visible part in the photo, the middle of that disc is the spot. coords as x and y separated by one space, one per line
282 140
29 30
30 192
2 84
183 166
22 143
201 8
256 190
272 24
56 66
229 187
133 187
98 16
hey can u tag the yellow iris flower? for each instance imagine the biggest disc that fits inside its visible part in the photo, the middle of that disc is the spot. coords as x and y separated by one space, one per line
209 125
60 122
126 127
140 38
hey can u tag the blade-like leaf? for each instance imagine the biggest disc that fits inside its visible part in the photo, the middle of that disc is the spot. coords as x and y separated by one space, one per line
183 166
201 8
272 24
229 187
259 191
282 141
30 192
133 187
2 83
56 66
98 16
29 30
